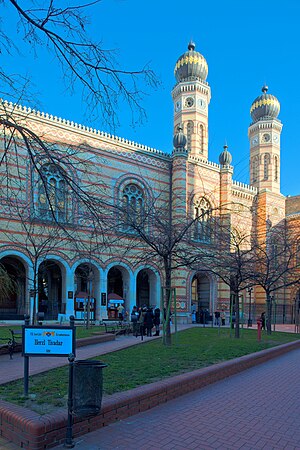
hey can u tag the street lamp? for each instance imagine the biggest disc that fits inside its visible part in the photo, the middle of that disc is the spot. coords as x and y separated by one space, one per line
250 289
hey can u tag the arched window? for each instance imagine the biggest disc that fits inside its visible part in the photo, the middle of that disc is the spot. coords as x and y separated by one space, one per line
255 165
203 224
273 252
276 168
201 136
189 133
132 206
52 196
266 165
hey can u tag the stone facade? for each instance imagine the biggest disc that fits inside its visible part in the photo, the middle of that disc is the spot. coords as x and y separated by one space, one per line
57 281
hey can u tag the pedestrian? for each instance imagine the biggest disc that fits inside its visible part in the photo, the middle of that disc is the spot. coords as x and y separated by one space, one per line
156 321
233 319
141 323
223 317
134 320
217 318
121 310
263 320
148 321
193 313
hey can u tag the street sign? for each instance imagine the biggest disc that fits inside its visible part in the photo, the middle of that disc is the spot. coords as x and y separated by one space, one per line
48 341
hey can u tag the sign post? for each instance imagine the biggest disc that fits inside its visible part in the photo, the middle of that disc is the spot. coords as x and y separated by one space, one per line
46 341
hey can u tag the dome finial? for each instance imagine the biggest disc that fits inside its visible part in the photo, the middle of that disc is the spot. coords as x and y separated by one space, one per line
191 45
225 157
266 106
191 65
179 140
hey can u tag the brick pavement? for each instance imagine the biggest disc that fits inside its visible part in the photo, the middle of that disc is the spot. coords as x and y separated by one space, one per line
257 409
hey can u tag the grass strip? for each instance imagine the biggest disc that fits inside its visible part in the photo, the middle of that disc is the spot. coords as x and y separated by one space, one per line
143 364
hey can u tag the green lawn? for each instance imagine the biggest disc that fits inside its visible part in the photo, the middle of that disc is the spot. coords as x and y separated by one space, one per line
142 364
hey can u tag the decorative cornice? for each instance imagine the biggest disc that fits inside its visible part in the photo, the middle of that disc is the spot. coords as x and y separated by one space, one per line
244 187
191 86
204 162
49 119
266 124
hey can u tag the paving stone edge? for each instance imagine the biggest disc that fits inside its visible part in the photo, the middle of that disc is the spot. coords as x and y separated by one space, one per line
32 431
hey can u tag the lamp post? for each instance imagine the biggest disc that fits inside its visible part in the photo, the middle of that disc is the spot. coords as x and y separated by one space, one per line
250 289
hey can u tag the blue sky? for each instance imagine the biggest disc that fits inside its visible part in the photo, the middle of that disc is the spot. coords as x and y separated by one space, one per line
246 44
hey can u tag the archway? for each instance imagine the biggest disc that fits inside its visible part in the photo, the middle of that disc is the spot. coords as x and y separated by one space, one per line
13 306
146 288
201 294
86 286
118 285
50 290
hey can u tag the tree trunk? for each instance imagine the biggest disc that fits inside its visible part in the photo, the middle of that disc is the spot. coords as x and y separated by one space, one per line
237 316
167 306
269 314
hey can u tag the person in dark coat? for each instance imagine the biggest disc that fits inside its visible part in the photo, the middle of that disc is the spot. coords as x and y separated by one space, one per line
148 321
156 321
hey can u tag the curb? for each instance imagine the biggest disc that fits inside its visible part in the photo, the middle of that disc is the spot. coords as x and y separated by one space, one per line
31 431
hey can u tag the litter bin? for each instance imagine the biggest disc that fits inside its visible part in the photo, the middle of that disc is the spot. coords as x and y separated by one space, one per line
87 387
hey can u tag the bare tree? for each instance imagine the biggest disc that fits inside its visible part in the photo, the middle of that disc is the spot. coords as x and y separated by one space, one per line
277 262
25 153
85 63
157 236
36 239
229 256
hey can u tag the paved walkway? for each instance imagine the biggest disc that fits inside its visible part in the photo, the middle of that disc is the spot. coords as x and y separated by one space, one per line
257 409
227 415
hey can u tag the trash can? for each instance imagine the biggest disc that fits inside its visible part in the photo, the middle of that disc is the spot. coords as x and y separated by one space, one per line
87 387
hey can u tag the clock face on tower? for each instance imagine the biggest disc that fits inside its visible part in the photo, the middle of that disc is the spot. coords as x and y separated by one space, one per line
189 102
266 137
255 140
178 106
201 103
275 138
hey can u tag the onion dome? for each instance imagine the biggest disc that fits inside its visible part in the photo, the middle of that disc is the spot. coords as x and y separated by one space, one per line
191 65
225 157
266 106
179 140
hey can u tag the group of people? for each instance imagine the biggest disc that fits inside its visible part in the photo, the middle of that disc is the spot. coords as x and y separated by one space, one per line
220 318
144 319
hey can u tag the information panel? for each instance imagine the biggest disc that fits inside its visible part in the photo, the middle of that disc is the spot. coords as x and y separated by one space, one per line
48 341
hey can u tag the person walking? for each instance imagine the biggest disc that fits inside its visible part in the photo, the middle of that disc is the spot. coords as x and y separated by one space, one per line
263 320
223 317
148 321
156 321
141 323
121 311
134 320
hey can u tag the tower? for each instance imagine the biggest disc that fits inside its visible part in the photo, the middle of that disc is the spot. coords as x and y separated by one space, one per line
191 97
264 135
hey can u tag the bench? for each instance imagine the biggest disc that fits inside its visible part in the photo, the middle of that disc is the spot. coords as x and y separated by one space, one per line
16 341
13 342
110 328
117 328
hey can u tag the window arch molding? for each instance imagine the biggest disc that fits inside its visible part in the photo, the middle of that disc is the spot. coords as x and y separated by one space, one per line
132 179
52 196
132 193
203 226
